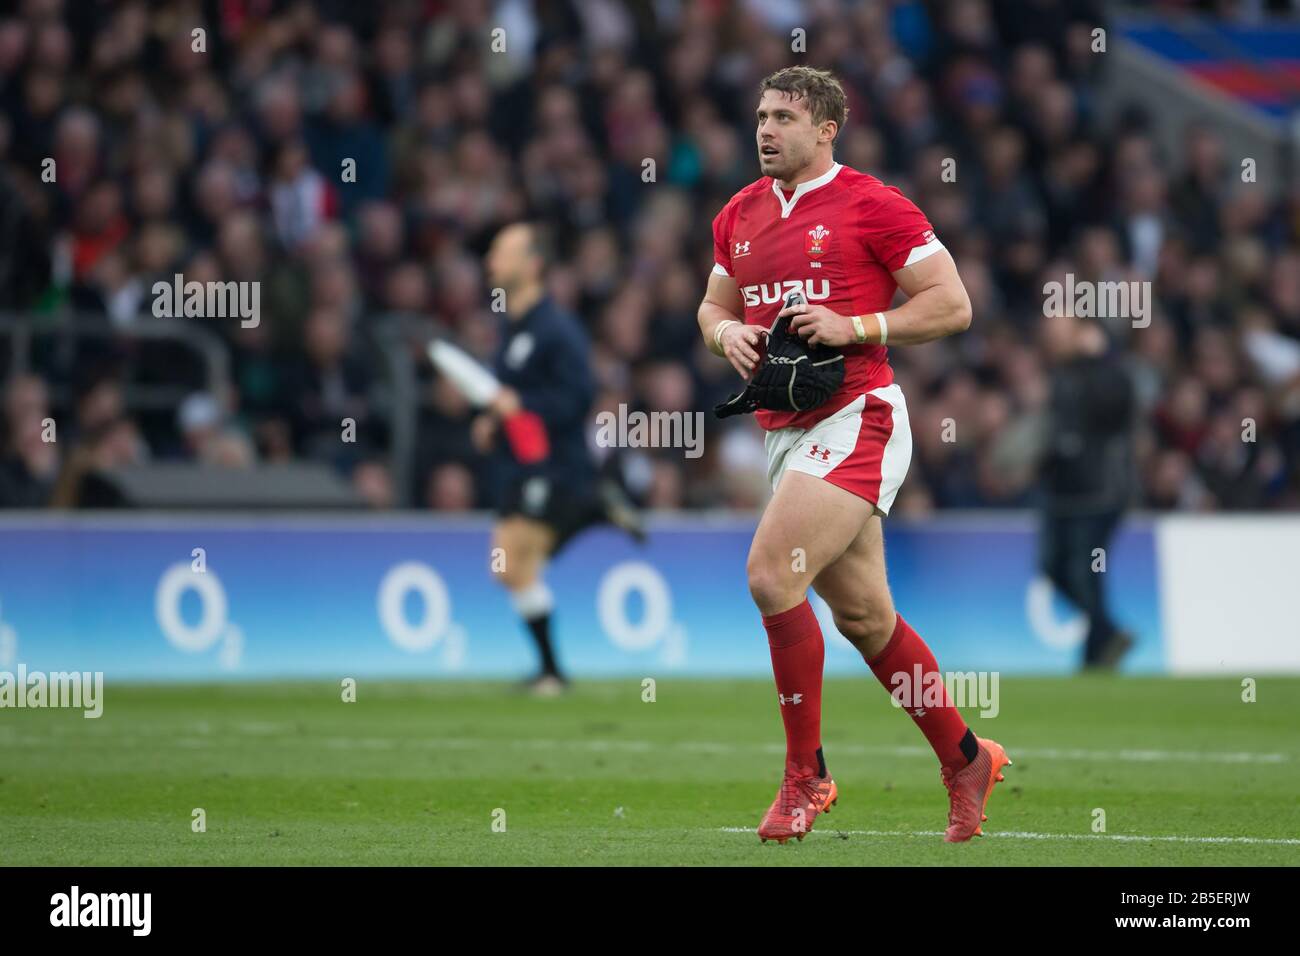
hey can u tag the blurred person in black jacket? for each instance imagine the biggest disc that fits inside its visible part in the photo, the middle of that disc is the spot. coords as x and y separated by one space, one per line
1086 470
29 456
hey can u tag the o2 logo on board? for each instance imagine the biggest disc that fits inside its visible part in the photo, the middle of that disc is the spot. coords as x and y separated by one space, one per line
214 625
434 626
656 626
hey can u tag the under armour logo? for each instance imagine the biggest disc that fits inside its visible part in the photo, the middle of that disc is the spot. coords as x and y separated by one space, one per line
825 453
792 699
742 249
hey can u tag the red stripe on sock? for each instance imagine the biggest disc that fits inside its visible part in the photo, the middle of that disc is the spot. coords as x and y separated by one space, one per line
896 667
798 652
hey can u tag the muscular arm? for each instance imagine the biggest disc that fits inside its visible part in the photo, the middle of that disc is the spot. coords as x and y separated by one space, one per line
937 306
722 302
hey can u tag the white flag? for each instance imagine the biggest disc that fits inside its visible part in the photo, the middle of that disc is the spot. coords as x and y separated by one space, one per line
474 381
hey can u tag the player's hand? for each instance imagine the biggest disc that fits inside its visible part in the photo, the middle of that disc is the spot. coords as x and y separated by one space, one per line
506 403
742 346
819 325
483 433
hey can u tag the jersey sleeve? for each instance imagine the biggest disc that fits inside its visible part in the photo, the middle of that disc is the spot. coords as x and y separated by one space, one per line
896 232
722 226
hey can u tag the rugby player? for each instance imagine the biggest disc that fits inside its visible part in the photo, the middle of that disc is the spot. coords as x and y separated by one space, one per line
847 242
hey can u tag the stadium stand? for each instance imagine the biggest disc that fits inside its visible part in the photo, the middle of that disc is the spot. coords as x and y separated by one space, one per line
229 164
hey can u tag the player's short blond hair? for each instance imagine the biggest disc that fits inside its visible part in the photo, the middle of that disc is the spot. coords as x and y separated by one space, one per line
818 88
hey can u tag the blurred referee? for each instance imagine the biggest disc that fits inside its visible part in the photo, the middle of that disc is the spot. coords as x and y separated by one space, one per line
1087 472
548 485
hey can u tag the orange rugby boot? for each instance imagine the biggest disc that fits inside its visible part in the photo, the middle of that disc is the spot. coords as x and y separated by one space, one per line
801 798
969 789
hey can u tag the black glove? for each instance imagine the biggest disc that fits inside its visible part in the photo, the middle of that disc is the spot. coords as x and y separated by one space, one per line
792 376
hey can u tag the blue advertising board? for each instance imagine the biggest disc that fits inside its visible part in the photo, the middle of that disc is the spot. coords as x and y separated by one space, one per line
143 597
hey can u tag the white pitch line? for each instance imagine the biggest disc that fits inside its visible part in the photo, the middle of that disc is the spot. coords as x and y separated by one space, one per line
268 732
1149 756
867 750
1026 835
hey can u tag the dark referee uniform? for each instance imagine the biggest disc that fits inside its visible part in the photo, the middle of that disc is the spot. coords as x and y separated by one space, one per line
1087 480
545 357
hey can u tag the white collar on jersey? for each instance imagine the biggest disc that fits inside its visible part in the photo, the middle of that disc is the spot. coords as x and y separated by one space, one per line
787 205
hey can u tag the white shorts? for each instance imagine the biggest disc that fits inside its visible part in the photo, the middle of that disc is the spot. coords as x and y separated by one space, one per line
864 448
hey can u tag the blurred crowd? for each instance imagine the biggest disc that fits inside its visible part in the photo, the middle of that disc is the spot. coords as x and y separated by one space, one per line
233 162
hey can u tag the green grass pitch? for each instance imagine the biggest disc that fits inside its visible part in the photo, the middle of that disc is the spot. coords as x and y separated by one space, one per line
417 772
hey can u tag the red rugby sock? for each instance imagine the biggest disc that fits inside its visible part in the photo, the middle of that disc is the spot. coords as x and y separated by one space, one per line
795 639
898 666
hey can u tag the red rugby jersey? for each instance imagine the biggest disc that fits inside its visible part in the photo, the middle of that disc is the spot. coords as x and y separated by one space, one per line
838 239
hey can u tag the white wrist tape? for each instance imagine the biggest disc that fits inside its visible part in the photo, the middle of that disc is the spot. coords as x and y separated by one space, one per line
721 327
884 327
